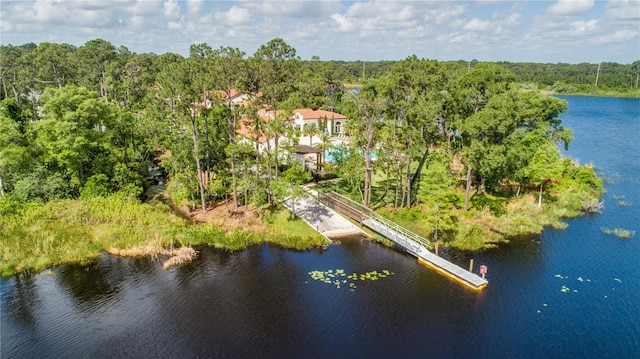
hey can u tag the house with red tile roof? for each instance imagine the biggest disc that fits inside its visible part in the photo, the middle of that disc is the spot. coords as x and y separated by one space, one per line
328 121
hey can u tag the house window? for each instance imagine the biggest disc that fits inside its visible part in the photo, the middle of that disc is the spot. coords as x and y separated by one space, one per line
337 127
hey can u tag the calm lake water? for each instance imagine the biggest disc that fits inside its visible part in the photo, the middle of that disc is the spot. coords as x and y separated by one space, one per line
573 293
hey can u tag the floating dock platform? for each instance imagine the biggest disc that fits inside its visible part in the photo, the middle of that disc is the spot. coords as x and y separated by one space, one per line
426 257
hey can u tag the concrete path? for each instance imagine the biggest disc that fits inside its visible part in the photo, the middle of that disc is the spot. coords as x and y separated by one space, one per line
323 219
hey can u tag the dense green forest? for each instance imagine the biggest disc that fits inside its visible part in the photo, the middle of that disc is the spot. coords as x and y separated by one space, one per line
605 78
452 149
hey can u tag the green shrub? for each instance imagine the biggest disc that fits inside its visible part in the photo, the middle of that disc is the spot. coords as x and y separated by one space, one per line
96 185
497 205
561 87
586 176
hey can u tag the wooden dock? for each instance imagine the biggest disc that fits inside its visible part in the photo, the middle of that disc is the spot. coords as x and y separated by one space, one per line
427 257
409 241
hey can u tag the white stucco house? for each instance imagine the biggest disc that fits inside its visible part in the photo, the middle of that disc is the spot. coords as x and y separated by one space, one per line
327 121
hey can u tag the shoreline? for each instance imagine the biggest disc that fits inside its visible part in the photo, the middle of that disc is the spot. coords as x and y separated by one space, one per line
196 233
585 94
35 235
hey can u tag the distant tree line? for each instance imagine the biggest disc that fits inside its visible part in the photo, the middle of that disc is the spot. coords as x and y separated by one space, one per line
608 74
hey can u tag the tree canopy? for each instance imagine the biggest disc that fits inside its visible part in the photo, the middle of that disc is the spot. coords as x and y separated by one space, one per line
96 116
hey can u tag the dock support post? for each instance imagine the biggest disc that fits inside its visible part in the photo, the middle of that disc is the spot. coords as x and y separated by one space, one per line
471 265
437 247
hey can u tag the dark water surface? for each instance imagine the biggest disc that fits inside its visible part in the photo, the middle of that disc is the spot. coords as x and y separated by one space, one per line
263 303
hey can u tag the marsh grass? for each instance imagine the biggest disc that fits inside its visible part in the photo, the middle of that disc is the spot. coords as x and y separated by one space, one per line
179 256
154 248
292 233
34 236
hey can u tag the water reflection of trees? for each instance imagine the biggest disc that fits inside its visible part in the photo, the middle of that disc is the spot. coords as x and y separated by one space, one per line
209 260
98 282
22 300
85 284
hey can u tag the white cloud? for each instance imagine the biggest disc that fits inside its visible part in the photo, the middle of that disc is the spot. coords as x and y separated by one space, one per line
513 19
144 7
235 16
457 23
6 26
137 22
617 37
194 6
419 31
446 14
458 37
624 10
379 20
90 15
567 32
372 9
171 9
571 7
479 25
344 23
385 11
292 9
174 25
580 28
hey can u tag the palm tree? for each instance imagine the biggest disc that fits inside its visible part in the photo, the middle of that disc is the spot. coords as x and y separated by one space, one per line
327 142
310 130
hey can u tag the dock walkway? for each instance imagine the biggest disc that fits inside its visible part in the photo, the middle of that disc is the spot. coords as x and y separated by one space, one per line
323 219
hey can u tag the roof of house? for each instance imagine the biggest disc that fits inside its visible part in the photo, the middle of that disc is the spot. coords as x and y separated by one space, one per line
250 133
308 113
233 93
266 115
224 96
269 114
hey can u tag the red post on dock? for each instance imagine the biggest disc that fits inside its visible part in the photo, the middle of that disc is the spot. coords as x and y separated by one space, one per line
483 270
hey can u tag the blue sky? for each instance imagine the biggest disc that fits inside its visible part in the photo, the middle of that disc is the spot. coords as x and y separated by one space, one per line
571 31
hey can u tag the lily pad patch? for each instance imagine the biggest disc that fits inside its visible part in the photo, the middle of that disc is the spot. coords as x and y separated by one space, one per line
339 278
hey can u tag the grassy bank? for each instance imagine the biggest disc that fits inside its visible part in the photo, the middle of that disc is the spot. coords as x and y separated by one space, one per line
483 226
37 235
